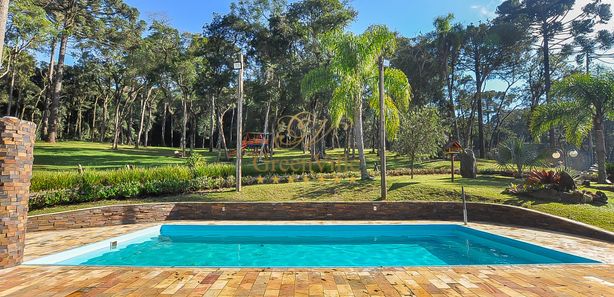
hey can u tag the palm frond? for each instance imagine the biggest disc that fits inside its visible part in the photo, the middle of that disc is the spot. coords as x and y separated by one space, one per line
550 115
397 86
316 81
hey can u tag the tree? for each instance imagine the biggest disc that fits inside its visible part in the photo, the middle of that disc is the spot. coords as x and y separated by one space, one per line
28 29
421 135
588 48
352 75
449 40
548 23
83 19
586 102
4 12
417 58
487 48
516 154
185 76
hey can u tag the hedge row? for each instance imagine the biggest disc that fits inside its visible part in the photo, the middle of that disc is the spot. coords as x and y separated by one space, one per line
69 180
87 192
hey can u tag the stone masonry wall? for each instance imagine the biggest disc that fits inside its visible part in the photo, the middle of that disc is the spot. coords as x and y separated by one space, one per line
406 210
16 148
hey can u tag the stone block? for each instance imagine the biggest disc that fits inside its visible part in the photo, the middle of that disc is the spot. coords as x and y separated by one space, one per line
16 147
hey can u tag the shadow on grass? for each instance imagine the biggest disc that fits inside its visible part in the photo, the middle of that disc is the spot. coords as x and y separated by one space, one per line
481 181
335 188
396 186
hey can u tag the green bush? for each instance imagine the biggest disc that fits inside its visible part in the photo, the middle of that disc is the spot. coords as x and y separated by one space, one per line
64 180
54 180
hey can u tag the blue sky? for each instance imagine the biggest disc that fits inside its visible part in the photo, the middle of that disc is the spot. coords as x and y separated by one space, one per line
409 17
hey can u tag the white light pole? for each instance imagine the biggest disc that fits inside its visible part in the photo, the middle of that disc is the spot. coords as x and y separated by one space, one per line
382 130
239 66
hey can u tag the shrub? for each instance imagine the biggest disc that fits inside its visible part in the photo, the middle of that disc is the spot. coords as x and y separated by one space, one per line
515 154
63 180
543 177
194 160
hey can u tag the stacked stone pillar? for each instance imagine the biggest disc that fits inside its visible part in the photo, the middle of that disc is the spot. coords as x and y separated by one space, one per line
16 156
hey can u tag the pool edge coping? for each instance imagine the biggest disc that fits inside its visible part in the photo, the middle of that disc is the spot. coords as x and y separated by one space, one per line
87 248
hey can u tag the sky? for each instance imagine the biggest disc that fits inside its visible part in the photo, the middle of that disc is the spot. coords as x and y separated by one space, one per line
408 17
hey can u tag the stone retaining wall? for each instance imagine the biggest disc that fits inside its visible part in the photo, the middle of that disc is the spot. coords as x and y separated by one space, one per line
16 148
411 210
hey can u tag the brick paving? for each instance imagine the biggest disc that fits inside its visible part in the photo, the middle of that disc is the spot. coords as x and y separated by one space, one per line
519 280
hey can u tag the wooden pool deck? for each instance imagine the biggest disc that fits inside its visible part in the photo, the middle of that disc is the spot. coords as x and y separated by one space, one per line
518 280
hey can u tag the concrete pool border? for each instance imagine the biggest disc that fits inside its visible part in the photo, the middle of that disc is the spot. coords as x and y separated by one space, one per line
297 210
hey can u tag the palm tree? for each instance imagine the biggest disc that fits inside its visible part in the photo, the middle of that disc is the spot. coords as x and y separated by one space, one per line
586 103
516 154
352 76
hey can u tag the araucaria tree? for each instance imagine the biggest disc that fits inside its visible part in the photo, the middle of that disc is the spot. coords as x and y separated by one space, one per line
422 135
352 75
551 25
585 103
83 20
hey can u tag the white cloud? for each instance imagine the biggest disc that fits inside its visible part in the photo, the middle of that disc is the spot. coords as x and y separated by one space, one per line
484 11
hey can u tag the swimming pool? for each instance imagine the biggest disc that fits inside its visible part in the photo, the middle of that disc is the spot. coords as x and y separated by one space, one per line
308 246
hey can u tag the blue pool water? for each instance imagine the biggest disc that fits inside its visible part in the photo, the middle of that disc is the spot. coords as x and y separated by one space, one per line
309 246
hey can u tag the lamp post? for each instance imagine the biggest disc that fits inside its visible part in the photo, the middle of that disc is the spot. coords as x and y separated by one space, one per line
382 129
238 170
558 153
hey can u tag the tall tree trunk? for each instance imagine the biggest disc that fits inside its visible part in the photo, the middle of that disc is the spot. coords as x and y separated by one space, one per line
129 122
346 148
184 126
105 118
364 175
4 13
273 131
79 119
35 108
265 130
598 123
172 130
547 81
149 124
144 103
591 147
193 128
478 97
312 132
49 93
57 89
11 91
232 123
212 128
22 103
163 126
117 127
93 128
374 134
353 143
221 139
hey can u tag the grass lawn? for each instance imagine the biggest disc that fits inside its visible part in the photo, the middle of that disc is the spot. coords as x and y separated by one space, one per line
422 187
68 155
